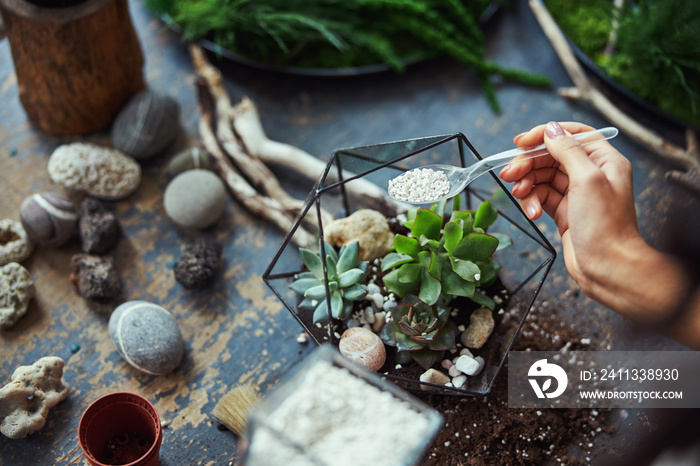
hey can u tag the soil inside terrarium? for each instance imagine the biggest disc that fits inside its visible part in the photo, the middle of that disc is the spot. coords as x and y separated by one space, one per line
484 431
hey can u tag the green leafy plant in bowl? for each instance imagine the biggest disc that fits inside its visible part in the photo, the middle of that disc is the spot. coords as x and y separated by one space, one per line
445 259
345 274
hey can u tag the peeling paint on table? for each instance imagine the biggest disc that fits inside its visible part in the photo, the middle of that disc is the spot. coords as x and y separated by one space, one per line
236 331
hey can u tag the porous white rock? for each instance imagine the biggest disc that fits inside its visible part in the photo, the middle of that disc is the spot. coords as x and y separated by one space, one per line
101 172
32 391
15 245
366 226
16 290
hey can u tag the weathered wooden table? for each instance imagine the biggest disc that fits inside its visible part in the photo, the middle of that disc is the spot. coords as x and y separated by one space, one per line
236 331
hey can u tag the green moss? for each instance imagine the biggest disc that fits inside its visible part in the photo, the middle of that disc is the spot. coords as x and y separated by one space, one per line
657 52
586 22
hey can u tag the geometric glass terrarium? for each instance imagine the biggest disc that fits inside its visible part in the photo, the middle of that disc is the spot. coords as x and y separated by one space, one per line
356 179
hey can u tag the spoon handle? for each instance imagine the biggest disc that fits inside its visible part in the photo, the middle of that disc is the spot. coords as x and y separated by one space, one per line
504 158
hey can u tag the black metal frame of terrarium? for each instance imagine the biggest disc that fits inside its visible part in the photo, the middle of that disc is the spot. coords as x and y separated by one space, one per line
525 264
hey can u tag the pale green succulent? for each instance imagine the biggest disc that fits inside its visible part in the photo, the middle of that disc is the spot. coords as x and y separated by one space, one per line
345 274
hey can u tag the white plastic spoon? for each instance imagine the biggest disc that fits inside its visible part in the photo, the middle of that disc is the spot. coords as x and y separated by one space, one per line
458 178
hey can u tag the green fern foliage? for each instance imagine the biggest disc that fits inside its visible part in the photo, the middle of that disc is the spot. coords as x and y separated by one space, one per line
344 33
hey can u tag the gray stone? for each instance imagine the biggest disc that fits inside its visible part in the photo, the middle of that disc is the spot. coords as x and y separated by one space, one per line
146 125
480 327
189 159
48 218
195 199
15 245
16 290
101 172
147 337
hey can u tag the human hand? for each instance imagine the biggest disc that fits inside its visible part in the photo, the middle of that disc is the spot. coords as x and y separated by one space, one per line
587 190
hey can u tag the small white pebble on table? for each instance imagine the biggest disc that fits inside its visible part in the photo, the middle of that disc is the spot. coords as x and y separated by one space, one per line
419 185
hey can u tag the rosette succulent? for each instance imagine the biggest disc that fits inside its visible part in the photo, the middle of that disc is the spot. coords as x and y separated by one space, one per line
422 331
345 274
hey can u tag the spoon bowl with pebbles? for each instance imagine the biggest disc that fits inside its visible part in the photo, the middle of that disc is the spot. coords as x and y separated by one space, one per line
432 183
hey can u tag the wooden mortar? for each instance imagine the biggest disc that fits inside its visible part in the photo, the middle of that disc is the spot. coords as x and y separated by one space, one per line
76 66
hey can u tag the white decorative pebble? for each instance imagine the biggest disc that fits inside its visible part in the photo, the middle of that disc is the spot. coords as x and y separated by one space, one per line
379 321
465 351
419 185
372 288
454 371
446 364
467 365
378 300
433 376
459 381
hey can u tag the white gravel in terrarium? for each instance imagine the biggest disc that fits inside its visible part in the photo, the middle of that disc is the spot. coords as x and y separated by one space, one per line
339 419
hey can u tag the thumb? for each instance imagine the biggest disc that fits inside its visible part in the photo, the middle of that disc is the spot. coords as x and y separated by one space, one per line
567 151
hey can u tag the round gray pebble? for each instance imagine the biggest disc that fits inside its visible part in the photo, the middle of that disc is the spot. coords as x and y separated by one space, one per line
15 245
189 159
146 125
49 218
195 199
147 337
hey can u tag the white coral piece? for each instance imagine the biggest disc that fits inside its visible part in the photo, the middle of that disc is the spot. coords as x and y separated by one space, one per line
26 400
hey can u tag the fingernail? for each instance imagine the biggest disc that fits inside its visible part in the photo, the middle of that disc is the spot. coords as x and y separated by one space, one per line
516 185
531 211
503 172
553 130
516 138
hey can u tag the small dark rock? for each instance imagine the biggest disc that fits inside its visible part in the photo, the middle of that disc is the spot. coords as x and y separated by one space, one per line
198 264
95 277
99 228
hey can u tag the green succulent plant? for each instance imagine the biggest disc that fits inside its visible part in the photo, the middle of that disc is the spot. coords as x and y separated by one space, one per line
439 259
421 330
345 274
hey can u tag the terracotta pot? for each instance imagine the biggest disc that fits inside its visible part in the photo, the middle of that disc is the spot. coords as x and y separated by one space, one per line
120 429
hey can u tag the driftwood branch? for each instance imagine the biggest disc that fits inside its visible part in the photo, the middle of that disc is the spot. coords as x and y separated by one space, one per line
247 125
258 204
256 173
688 157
